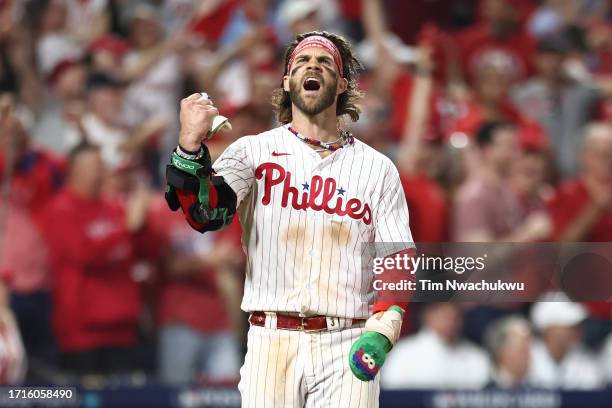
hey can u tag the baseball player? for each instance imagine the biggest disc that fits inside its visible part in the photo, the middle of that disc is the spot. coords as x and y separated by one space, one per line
308 195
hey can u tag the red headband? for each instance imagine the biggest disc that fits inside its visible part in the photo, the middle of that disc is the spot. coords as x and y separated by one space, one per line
320 42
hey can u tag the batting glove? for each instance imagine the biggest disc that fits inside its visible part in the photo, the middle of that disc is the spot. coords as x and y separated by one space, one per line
369 352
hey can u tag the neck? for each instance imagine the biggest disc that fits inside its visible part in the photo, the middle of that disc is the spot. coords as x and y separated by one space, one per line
489 173
323 126
83 192
508 377
593 179
553 82
557 351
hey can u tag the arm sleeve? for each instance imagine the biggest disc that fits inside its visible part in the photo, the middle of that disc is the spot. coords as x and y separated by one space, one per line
391 217
236 167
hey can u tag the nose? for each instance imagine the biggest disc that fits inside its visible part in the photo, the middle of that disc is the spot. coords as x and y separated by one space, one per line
313 66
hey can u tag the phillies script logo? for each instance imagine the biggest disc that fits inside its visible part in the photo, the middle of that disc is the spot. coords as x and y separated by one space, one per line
318 188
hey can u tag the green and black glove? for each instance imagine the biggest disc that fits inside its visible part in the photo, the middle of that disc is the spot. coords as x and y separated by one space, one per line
369 352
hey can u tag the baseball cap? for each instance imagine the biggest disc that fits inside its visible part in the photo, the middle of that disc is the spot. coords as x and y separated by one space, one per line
139 9
111 43
402 53
294 10
556 309
59 69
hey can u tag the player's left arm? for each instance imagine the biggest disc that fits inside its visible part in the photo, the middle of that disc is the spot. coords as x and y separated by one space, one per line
393 237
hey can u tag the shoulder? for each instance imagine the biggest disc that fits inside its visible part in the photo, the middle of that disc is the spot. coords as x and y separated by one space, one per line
469 36
260 139
471 351
533 87
471 190
572 188
60 203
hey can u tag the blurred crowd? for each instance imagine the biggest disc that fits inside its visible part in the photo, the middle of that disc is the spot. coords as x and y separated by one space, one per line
497 113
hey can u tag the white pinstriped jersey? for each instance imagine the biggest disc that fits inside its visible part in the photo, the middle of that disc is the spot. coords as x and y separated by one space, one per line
304 220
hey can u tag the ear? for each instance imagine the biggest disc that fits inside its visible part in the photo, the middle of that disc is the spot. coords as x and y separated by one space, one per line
286 83
342 86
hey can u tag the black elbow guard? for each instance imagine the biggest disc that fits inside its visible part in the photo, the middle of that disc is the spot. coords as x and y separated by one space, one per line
207 201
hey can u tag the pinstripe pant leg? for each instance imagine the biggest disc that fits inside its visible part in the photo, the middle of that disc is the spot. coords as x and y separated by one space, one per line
272 372
335 384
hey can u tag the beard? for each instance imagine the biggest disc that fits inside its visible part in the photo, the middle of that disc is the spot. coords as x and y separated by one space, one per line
326 98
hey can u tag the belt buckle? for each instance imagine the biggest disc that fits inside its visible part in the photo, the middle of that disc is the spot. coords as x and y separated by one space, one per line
304 329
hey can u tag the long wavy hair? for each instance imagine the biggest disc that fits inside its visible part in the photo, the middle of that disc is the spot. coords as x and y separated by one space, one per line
347 100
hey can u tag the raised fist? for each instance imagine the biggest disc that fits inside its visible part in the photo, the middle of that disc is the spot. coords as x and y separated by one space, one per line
196 117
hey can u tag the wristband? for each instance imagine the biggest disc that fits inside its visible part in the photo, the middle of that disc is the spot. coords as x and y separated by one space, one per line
188 154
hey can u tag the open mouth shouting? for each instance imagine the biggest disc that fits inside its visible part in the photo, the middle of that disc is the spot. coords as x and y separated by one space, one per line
311 85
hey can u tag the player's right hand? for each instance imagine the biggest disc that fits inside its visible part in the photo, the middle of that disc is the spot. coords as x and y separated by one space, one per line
196 118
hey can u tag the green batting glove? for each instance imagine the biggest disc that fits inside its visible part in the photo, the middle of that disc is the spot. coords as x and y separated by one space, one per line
368 355
369 352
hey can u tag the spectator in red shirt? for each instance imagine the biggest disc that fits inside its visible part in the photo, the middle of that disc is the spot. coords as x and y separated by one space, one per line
490 102
197 298
96 302
499 38
582 207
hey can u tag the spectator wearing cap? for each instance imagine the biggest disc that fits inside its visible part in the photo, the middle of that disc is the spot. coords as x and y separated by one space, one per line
498 38
558 358
561 105
96 301
63 105
106 54
488 100
436 357
508 341
101 123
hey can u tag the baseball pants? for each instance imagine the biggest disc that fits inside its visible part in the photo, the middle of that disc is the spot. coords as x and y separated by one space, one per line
286 368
